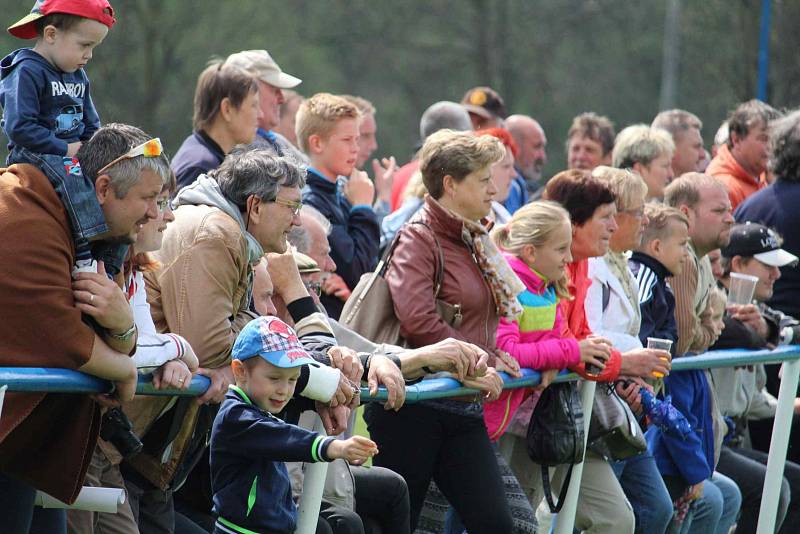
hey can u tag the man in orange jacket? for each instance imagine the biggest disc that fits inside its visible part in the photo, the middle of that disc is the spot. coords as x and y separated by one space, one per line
741 163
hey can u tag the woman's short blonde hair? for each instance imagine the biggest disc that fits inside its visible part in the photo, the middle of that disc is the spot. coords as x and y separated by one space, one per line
448 152
319 114
641 144
629 188
532 224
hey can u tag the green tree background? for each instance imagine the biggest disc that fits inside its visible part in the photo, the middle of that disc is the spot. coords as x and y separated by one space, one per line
551 59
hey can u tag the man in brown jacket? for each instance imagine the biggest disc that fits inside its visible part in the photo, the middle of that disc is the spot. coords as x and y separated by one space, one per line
47 439
224 223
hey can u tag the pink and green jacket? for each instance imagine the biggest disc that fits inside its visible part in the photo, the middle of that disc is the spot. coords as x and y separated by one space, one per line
533 339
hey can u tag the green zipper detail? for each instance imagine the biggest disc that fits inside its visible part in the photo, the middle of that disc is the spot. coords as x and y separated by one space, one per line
251 498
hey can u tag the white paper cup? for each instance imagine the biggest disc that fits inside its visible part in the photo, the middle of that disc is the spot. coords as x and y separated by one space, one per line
323 381
741 288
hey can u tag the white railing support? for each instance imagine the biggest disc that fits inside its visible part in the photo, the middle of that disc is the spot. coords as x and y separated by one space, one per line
781 429
313 484
565 520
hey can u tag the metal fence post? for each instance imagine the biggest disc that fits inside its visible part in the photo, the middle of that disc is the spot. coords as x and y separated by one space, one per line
565 520
313 484
777 448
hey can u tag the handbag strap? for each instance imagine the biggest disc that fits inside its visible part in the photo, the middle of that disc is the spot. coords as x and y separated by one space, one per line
438 275
555 507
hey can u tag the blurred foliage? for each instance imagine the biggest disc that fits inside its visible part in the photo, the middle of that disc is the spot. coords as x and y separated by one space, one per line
551 59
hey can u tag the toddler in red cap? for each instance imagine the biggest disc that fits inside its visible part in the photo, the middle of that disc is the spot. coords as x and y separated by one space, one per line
47 109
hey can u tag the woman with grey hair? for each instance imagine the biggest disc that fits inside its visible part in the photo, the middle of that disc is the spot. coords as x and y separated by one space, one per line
647 151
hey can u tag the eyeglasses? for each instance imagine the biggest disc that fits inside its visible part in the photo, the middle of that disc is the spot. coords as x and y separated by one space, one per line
162 204
314 287
148 149
294 205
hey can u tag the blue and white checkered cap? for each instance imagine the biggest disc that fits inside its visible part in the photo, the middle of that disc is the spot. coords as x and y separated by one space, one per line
273 340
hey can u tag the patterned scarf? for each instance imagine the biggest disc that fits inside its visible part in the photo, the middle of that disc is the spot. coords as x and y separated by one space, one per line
502 280
618 265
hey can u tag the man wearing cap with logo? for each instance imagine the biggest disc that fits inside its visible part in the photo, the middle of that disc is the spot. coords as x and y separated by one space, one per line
271 82
741 393
486 108
249 444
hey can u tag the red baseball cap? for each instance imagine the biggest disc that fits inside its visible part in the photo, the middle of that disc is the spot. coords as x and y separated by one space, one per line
99 10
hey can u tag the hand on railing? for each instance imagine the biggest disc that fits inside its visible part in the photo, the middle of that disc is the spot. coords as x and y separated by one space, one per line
383 372
174 374
491 384
221 378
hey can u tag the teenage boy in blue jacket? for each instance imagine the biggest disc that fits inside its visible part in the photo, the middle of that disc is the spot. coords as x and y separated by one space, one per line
250 483
328 131
48 111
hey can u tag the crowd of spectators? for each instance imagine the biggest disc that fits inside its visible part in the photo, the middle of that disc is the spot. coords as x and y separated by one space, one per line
235 259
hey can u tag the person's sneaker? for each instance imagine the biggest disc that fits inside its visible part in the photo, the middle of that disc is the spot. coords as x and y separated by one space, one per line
85 266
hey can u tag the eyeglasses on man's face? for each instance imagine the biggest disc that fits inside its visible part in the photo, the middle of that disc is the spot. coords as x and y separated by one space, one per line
294 205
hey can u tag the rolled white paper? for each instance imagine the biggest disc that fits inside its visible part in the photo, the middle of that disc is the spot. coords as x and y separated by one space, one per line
323 381
89 499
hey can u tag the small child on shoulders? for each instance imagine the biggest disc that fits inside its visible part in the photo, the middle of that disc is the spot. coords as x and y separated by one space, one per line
47 108
249 445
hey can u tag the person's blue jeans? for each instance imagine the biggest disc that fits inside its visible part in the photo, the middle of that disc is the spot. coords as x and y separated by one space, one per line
75 190
646 491
716 511
20 515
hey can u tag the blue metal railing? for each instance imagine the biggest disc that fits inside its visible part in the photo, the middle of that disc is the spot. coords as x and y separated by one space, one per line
32 379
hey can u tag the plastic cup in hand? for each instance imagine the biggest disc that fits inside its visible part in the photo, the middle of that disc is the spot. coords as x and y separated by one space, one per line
659 344
741 288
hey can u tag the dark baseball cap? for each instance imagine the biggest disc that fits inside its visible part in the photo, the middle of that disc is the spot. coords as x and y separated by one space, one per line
762 243
486 102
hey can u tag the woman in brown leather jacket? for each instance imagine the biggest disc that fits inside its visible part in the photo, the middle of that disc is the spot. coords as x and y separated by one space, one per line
445 440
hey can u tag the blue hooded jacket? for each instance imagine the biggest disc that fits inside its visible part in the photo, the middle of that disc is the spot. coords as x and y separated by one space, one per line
691 459
355 234
44 108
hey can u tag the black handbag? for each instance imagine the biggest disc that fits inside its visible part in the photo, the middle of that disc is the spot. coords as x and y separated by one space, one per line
556 436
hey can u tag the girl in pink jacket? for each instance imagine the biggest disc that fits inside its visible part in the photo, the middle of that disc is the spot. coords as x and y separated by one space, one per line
536 244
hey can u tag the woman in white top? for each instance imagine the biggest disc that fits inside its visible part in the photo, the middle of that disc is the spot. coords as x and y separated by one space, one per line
612 303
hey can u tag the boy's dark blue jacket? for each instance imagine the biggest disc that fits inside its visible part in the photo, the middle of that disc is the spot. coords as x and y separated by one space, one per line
355 234
249 480
44 108
691 459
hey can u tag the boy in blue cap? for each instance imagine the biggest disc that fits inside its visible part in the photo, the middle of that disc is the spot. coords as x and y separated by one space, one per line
250 483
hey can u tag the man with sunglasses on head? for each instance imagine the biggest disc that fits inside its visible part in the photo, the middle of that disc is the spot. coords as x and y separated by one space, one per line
47 439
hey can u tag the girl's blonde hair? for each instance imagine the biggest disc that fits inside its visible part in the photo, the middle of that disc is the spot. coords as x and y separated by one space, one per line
533 224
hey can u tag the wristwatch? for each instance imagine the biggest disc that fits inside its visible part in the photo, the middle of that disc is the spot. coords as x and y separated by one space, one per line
125 336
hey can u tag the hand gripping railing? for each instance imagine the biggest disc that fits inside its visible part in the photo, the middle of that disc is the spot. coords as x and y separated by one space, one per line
30 379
